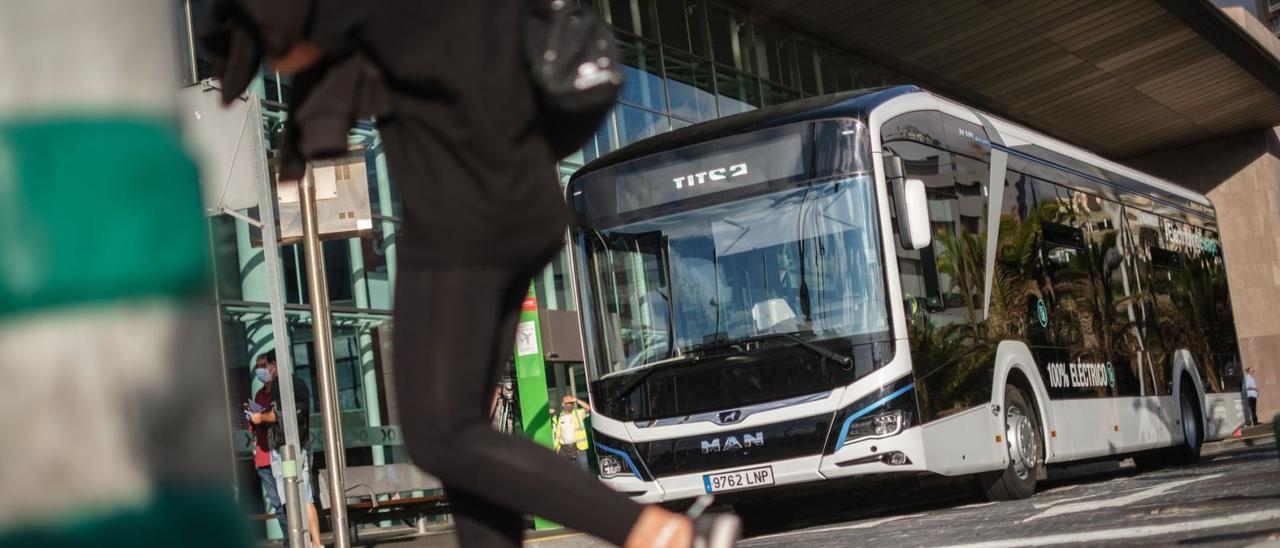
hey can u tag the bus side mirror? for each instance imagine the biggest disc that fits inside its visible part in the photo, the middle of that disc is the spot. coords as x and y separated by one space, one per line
913 215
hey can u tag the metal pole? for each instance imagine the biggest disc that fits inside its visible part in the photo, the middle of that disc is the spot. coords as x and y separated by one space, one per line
293 514
328 389
191 41
222 362
280 338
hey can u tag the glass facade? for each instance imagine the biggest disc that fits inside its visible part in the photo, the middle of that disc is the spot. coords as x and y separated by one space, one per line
689 61
686 61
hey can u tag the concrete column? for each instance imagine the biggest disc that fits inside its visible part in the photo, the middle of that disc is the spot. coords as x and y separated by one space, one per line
364 346
1241 175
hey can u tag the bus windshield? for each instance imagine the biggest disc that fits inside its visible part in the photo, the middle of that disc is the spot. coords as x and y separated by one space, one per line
804 260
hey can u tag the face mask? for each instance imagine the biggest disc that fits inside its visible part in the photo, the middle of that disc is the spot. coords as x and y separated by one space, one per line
264 374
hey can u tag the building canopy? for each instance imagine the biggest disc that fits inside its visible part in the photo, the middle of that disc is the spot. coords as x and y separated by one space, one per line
1120 77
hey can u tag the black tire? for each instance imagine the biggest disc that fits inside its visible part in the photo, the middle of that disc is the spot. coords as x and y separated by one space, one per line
1192 424
1016 481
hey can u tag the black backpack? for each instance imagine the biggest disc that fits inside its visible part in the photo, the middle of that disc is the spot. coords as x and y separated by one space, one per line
573 63
302 408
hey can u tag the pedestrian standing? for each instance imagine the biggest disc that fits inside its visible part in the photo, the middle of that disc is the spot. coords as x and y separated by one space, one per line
1251 392
262 401
569 432
271 418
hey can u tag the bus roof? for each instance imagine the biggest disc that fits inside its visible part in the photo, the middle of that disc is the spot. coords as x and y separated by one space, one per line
858 104
853 104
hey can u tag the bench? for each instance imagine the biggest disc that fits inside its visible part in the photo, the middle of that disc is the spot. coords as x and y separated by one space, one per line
393 482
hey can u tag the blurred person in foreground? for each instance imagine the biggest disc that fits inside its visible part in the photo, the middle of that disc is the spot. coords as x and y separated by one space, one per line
270 418
452 91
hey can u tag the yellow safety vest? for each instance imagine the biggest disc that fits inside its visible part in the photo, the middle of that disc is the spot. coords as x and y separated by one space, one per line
579 431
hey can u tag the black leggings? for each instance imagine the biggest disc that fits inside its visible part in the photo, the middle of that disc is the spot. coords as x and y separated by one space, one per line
454 330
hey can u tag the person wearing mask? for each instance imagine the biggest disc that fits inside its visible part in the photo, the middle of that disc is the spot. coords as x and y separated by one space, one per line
271 419
569 431
1251 392
262 401
473 152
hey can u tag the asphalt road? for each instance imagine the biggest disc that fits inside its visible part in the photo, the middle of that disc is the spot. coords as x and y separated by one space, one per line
1231 498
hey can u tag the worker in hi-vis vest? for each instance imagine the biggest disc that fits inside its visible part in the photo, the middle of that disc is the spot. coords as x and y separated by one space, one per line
569 431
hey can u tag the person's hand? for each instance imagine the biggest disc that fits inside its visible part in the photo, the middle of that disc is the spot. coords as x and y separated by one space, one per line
300 56
256 418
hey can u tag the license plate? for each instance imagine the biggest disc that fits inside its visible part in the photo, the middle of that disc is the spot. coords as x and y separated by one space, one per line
738 479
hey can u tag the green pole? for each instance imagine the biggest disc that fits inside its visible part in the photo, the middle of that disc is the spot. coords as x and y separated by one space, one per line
531 382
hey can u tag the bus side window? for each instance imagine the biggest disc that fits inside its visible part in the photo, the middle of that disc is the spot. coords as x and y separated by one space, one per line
1063 256
1067 268
926 284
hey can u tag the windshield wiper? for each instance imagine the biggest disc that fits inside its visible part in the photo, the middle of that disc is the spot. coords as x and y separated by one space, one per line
652 368
844 361
689 359
826 354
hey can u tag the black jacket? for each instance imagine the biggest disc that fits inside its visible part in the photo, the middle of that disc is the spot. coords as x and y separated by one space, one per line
449 86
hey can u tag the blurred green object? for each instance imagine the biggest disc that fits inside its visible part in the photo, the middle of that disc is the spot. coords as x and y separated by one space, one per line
173 518
97 209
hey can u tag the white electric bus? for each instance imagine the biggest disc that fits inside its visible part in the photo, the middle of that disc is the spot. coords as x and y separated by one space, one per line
887 281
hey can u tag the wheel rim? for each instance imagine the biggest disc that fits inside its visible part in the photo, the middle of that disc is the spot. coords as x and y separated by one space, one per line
1024 447
1190 429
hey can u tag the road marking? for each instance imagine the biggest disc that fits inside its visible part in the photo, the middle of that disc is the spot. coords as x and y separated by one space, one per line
1129 532
859 525
1126 500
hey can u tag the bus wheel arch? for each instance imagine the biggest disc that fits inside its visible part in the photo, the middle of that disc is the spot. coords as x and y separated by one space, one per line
1185 369
1024 443
1187 392
1016 367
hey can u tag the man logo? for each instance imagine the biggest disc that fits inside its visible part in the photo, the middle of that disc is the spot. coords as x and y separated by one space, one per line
717 174
729 417
731 443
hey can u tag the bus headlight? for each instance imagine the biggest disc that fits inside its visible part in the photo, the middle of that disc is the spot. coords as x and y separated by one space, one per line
879 425
611 466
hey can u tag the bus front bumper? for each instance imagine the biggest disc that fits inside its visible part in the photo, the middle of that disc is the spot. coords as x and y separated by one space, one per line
865 457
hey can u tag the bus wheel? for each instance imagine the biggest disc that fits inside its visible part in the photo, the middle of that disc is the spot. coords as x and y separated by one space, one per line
1025 443
1188 452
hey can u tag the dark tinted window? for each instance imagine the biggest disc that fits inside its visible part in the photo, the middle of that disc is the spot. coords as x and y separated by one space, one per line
634 16
774 94
673 20
730 37
807 67
933 291
923 127
736 92
635 124
692 91
643 86
775 54
943 284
